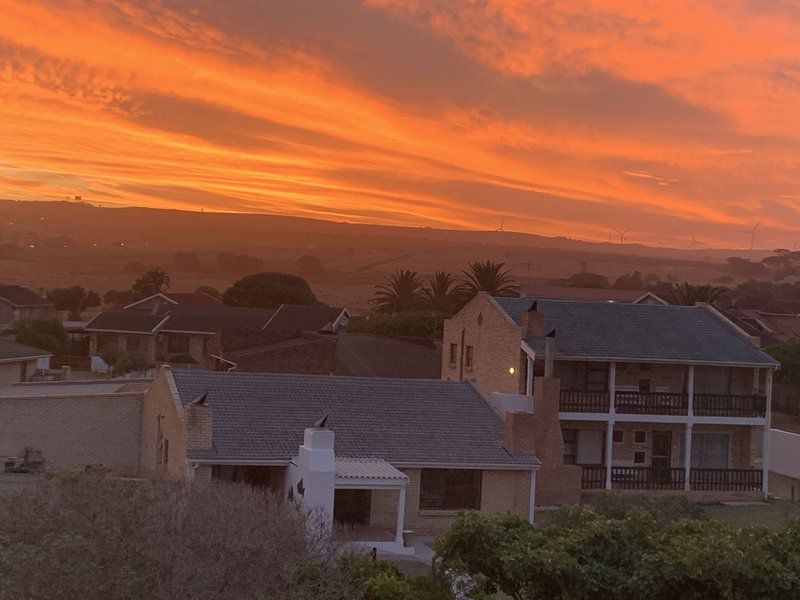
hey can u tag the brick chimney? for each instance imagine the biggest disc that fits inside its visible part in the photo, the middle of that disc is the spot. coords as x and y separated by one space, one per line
518 433
533 322
198 423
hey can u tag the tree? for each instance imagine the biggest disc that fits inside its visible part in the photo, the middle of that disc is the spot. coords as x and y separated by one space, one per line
186 261
687 294
415 323
631 281
309 264
117 298
47 334
442 294
209 291
152 282
74 300
582 280
270 290
489 277
786 388
745 268
401 292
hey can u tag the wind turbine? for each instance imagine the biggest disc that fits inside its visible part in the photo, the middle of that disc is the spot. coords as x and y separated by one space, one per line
695 243
502 222
622 233
794 241
752 233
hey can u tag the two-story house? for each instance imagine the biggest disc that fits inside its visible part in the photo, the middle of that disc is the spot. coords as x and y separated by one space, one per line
652 397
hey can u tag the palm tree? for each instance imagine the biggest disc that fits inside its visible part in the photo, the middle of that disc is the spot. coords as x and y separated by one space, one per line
489 277
401 292
687 294
442 294
152 282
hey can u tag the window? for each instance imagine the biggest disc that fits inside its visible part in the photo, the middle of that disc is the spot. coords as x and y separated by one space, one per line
619 436
640 437
178 344
453 354
450 489
639 457
468 357
570 446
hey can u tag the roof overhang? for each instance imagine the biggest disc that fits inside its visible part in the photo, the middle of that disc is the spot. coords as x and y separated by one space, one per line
151 297
24 358
399 465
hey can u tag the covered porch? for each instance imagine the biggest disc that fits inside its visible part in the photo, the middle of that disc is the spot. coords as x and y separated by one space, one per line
355 481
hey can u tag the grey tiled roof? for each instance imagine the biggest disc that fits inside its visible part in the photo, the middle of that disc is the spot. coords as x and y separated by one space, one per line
294 317
10 349
639 332
262 416
22 296
124 320
367 355
210 319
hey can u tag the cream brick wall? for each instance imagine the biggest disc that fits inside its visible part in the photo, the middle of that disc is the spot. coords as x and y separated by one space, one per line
10 373
74 431
159 401
496 344
502 491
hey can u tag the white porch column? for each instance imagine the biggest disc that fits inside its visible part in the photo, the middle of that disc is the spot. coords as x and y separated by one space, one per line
529 376
401 515
765 443
532 498
687 439
612 409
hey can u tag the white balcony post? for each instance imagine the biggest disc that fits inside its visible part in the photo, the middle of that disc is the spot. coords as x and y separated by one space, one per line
612 409
401 513
765 443
529 377
687 441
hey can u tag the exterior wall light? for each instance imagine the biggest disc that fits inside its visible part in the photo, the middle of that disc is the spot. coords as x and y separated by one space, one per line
511 370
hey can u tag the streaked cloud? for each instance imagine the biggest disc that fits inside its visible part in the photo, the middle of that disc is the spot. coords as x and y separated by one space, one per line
558 117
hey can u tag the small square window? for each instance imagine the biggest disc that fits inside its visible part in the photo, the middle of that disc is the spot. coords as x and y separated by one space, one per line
619 436
640 437
639 457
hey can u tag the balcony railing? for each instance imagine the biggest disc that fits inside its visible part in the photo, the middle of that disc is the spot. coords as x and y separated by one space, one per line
671 478
727 405
579 401
664 403
652 403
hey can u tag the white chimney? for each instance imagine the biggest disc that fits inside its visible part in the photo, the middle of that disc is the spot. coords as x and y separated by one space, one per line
317 465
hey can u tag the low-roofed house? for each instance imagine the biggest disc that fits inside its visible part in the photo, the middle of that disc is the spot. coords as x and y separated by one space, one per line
296 317
19 363
19 304
407 453
165 300
650 396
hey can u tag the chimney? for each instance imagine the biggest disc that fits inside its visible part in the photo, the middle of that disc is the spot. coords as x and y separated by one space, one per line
316 463
533 322
549 353
518 433
198 423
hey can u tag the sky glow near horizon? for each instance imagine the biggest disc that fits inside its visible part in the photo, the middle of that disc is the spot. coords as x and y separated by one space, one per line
674 119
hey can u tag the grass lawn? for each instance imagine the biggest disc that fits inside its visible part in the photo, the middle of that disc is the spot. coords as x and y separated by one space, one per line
772 514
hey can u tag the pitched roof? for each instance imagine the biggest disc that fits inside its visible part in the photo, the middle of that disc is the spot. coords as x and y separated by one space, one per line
125 320
212 319
652 332
17 295
181 298
295 317
556 292
10 350
366 355
262 416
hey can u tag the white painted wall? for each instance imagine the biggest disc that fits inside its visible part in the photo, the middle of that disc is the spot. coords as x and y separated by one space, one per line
784 452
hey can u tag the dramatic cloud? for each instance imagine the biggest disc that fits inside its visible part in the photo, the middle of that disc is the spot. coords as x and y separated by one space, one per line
675 120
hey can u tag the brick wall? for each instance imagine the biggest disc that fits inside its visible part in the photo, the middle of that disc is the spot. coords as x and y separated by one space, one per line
495 342
11 373
163 418
501 492
74 431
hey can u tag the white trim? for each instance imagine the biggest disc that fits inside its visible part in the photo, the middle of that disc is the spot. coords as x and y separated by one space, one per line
272 316
658 299
335 323
369 483
25 359
677 419
532 498
151 332
401 514
151 297
286 463
187 332
765 442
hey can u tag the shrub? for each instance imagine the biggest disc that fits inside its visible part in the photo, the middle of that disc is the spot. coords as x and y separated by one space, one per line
427 324
47 334
270 290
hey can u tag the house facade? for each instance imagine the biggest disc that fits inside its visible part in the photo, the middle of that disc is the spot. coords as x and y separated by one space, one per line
377 456
19 304
19 363
651 397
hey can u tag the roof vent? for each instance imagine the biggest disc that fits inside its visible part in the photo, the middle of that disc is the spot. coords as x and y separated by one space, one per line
200 400
321 423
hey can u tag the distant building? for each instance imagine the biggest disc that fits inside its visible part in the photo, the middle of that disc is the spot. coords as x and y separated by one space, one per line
19 363
555 292
649 397
19 305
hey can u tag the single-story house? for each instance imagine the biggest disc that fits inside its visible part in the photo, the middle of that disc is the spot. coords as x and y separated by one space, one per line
375 455
19 363
19 304
165 300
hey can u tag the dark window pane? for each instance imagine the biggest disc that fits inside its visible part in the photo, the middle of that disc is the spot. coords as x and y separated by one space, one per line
450 489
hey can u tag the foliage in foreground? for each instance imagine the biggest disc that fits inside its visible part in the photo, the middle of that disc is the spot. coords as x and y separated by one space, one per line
588 556
90 537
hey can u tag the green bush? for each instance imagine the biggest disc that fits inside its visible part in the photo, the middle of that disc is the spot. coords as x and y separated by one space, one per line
423 324
663 509
270 290
47 334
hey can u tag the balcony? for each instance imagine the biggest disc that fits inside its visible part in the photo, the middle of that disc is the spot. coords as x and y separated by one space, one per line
665 403
670 478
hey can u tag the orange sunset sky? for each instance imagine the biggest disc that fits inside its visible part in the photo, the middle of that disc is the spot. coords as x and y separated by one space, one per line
673 118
